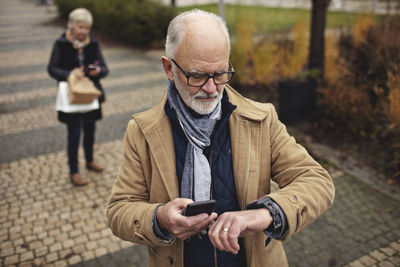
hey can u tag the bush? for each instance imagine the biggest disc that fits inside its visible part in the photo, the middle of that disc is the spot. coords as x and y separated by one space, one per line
241 51
138 22
360 101
363 88
263 61
294 52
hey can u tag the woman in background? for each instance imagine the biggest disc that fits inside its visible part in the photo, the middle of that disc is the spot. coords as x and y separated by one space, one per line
76 51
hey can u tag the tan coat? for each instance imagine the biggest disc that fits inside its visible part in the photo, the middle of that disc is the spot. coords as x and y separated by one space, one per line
261 150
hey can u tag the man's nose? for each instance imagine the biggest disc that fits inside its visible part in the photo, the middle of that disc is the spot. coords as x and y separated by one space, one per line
209 87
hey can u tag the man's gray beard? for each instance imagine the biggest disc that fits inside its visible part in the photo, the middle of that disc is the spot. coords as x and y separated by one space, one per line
200 107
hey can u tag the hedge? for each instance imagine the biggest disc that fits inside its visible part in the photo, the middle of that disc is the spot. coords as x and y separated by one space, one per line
138 22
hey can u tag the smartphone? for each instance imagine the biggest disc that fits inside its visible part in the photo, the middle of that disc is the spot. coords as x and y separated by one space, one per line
198 207
92 67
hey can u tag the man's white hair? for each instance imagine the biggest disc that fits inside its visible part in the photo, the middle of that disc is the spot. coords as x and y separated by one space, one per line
79 15
177 26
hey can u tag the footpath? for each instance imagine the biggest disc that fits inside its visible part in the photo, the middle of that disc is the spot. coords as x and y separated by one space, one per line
45 221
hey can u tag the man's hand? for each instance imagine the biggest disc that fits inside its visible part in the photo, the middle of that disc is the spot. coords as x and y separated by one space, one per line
169 217
225 232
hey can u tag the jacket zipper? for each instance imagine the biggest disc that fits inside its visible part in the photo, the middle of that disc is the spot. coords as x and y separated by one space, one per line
246 184
176 253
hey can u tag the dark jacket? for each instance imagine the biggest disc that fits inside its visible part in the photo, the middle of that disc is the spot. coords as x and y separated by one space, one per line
64 58
200 252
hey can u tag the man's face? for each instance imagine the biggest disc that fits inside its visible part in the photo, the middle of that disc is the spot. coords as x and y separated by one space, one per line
202 100
206 52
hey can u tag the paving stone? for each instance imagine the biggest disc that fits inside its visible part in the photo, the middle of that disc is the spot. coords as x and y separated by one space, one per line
61 237
388 251
11 260
25 264
395 245
378 255
367 260
6 251
100 252
88 255
74 259
355 264
81 239
395 259
61 263
51 257
91 245
48 241
386 264
55 247
65 253
42 251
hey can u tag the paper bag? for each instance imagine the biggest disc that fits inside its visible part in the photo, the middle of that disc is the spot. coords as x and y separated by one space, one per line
63 104
81 90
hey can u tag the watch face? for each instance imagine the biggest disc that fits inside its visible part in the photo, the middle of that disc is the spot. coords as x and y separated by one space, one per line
277 224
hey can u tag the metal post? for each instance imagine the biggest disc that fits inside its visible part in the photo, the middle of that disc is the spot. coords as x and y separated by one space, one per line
221 9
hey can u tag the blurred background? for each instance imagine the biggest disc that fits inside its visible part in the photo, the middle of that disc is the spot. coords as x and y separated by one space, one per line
331 68
344 55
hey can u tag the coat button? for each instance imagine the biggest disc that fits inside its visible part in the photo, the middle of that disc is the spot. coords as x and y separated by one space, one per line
293 198
136 222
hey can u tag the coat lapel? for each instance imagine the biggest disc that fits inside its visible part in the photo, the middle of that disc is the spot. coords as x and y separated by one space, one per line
245 135
159 137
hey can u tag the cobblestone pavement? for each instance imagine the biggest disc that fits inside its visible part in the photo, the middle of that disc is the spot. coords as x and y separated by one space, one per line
45 221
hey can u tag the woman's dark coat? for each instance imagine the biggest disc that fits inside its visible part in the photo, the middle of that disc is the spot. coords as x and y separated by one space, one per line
64 58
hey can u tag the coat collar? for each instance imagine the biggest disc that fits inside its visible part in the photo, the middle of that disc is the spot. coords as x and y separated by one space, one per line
245 107
63 39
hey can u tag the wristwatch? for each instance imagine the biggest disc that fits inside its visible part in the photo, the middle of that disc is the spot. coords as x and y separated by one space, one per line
269 204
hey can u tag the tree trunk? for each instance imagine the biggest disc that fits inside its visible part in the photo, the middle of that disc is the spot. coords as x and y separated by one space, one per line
317 38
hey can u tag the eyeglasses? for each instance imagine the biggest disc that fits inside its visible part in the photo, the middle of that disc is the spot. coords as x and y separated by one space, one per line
198 79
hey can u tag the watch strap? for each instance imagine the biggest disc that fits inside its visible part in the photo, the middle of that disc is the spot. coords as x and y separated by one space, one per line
269 204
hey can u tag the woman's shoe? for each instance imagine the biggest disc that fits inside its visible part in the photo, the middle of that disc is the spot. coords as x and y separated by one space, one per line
94 167
77 180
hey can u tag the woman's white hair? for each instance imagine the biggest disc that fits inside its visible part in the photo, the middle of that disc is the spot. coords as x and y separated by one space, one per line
177 26
79 15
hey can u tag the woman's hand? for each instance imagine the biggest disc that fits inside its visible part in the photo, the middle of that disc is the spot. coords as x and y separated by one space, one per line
93 70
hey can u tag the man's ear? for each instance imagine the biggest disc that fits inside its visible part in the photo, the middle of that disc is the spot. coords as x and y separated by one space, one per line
167 64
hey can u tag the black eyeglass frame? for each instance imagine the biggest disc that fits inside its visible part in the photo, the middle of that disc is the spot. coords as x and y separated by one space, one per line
206 74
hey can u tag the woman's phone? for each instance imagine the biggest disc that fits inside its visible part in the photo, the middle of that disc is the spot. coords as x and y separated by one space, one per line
92 67
198 207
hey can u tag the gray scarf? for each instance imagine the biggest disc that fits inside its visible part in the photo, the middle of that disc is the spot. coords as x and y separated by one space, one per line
196 177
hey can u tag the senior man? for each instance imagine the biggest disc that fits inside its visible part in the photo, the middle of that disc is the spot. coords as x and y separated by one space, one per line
205 141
